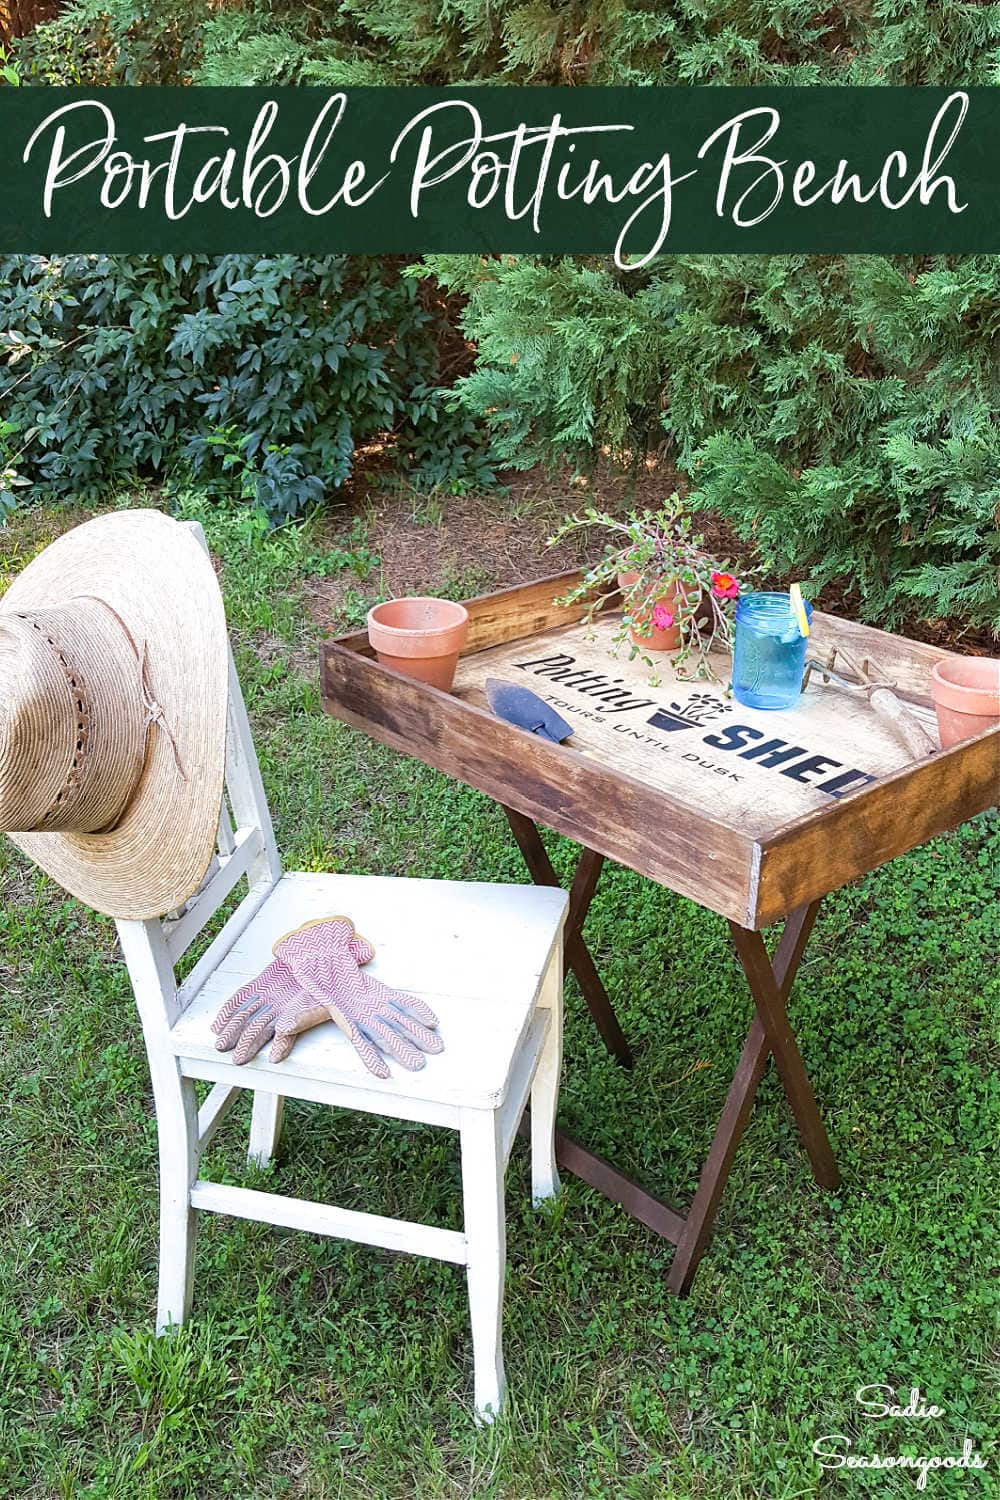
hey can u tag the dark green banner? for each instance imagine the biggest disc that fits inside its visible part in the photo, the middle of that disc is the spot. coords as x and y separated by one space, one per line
629 172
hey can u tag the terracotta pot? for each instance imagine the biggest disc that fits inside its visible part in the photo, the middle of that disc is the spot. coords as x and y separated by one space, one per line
419 637
656 639
966 693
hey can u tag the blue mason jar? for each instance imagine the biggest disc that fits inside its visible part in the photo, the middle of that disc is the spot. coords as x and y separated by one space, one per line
770 653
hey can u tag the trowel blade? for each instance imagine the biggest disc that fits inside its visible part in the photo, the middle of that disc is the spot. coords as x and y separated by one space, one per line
520 706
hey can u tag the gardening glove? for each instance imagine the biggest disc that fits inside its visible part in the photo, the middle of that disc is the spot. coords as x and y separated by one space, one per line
325 959
248 1019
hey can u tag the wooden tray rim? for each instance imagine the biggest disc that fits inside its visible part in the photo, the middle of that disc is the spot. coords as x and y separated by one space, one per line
357 642
950 765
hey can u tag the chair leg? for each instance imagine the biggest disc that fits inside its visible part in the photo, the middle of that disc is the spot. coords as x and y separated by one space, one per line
486 1242
545 1087
177 1131
265 1127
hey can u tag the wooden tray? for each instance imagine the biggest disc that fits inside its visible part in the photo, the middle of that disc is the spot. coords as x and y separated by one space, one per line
750 814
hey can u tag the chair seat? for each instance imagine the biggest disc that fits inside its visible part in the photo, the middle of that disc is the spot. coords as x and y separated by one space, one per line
475 952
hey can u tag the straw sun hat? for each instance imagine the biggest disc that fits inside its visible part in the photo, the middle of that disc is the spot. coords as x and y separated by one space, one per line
113 695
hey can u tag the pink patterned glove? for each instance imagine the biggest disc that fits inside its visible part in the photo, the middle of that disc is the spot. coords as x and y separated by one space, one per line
324 959
248 1020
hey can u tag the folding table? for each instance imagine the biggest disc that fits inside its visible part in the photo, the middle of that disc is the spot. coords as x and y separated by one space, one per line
754 815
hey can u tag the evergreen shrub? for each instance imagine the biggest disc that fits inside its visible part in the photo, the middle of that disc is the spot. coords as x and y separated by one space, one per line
947 42
843 413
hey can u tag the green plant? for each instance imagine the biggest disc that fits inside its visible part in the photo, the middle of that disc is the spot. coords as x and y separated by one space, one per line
862 442
10 479
75 47
579 42
10 68
445 445
264 565
267 373
357 556
842 413
675 583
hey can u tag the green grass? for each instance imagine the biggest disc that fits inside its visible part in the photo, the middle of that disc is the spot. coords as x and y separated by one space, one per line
315 1369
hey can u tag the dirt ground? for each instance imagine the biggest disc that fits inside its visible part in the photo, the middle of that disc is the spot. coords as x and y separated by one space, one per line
481 542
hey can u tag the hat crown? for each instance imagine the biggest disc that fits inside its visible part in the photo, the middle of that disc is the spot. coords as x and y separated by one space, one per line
73 722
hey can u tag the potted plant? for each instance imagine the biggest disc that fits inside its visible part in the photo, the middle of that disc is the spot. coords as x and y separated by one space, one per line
674 597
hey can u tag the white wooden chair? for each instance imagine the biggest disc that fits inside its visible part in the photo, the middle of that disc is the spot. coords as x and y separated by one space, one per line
488 960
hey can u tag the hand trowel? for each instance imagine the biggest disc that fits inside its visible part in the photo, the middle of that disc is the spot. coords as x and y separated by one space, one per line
519 705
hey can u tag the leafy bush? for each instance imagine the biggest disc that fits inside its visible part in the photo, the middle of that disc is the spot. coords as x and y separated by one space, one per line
75 47
571 356
10 69
843 413
277 368
100 42
869 445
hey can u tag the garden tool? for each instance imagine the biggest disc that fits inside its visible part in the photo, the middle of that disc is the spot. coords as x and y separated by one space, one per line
316 976
879 694
798 608
519 705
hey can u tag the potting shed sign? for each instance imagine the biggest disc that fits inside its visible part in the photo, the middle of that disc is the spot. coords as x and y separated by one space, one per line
691 738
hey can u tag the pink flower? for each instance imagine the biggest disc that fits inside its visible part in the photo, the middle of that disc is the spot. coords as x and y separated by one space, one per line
725 585
662 618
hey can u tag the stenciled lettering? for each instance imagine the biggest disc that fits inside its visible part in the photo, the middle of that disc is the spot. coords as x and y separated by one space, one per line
733 737
775 755
559 668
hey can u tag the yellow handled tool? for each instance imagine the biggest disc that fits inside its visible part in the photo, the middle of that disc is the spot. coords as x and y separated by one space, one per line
799 609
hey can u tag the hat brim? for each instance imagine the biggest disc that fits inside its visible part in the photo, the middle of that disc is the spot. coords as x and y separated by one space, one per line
158 578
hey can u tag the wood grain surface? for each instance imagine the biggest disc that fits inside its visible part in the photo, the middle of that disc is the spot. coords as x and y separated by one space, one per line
815 855
599 806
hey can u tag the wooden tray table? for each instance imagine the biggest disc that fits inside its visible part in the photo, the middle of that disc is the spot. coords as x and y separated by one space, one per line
754 815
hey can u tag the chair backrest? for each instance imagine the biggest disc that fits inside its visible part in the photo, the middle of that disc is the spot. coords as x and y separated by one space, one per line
245 851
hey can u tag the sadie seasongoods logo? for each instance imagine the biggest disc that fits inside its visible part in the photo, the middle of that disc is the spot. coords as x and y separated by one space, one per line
879 1403
609 700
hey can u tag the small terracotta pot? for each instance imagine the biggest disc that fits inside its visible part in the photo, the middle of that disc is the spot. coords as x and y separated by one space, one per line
966 693
420 637
657 639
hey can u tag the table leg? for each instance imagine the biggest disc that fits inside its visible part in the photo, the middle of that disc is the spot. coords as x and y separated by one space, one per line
769 990
770 984
577 953
739 1101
